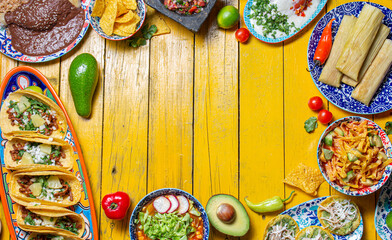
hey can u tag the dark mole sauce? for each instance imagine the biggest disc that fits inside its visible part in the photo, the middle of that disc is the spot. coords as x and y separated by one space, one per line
43 27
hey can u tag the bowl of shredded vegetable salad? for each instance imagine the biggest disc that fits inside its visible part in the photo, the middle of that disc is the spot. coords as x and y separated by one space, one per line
169 213
354 156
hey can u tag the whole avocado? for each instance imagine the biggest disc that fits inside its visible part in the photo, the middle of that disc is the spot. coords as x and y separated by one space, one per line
83 79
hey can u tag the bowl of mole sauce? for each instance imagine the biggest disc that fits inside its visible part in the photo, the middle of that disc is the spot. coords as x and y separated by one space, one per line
42 30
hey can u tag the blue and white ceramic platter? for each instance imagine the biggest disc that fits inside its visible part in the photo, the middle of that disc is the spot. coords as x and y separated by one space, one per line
387 146
384 206
305 214
141 12
7 49
341 97
259 36
162 192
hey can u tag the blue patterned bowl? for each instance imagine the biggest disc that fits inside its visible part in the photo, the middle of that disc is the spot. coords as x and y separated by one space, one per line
383 207
387 146
7 49
259 36
141 12
167 191
305 214
341 97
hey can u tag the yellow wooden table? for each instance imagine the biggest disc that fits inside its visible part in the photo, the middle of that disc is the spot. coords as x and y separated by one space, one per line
198 112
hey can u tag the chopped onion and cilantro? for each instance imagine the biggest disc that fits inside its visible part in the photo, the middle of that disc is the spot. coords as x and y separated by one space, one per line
283 230
268 16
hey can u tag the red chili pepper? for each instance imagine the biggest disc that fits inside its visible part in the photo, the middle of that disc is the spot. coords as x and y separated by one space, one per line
194 8
116 205
324 45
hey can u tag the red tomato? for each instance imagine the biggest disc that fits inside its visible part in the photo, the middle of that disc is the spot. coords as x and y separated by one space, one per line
315 103
242 35
324 116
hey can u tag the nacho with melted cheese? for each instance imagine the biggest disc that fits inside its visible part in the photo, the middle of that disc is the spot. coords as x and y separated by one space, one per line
338 215
29 113
282 227
50 219
52 188
21 153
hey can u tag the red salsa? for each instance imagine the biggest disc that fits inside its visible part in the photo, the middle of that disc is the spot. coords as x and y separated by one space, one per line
185 7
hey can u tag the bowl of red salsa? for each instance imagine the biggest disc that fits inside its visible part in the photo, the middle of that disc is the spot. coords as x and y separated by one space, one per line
189 13
169 213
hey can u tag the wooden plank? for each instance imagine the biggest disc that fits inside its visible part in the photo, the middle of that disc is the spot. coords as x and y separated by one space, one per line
51 70
171 109
216 112
125 122
261 126
367 203
88 130
300 146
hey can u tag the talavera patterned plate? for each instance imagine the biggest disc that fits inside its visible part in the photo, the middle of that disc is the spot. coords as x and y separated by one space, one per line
384 206
305 214
341 97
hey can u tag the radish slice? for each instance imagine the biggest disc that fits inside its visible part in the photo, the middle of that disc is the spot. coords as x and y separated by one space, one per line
174 203
162 204
184 204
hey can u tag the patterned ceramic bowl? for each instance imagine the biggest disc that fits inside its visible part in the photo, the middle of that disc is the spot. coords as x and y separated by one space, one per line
141 12
387 146
162 192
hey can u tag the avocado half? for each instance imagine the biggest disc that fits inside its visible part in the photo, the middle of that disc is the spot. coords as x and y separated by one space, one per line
239 226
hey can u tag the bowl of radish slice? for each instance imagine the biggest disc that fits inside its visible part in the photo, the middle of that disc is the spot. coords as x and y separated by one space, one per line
169 213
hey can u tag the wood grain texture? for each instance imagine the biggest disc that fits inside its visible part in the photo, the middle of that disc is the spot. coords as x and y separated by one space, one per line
171 110
216 112
124 158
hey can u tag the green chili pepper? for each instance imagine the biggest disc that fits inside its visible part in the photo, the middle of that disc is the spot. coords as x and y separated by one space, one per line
269 205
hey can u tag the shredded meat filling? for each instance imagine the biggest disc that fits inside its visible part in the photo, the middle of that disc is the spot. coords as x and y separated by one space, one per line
15 153
67 191
25 183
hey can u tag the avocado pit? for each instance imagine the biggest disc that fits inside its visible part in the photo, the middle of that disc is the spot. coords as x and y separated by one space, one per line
226 213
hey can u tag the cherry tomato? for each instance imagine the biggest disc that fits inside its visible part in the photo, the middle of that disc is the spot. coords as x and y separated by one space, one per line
315 103
324 116
242 35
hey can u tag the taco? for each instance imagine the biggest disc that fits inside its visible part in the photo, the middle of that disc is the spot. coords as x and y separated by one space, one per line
50 236
29 113
281 227
51 219
21 153
313 233
53 188
338 215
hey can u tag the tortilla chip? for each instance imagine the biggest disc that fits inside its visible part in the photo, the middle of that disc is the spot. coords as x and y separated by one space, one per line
305 178
157 20
99 8
109 17
121 9
126 17
126 28
130 4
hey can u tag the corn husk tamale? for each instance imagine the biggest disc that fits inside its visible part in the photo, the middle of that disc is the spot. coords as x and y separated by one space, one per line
330 75
382 34
374 76
360 41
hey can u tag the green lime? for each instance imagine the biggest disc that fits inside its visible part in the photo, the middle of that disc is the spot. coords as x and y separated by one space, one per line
388 220
35 89
228 17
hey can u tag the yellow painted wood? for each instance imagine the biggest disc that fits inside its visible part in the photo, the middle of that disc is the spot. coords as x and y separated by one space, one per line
300 146
171 109
88 130
124 157
216 112
261 127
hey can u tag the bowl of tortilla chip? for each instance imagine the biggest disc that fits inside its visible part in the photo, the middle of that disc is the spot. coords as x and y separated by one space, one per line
117 19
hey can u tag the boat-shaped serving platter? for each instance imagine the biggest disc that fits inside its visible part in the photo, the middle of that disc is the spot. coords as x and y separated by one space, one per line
305 214
21 78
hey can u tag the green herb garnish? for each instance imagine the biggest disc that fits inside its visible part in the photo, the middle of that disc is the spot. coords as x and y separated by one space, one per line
311 124
141 38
